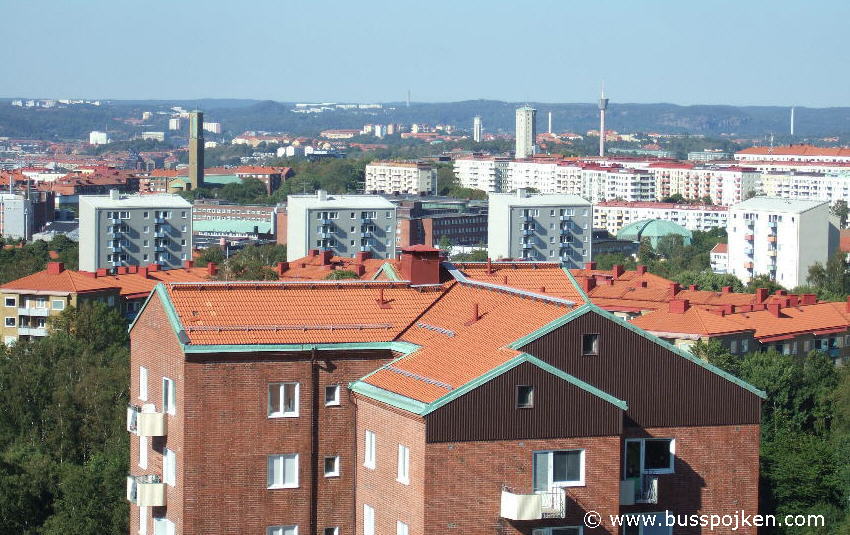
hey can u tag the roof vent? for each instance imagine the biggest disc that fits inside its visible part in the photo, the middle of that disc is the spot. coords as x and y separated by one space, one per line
475 315
382 303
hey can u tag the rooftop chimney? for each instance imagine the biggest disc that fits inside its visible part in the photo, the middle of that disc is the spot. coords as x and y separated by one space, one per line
143 271
775 309
212 269
114 195
189 264
587 284
475 315
420 264
692 287
641 269
809 299
322 195
359 269
675 288
761 295
793 300
679 306
122 270
282 267
642 284
362 256
617 270
326 256
382 303
781 292
847 306
590 266
153 267
101 272
726 289
55 268
728 308
314 252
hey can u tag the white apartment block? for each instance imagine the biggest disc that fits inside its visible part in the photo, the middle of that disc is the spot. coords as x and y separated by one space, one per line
98 138
526 132
400 177
719 258
614 215
780 238
723 185
807 186
486 174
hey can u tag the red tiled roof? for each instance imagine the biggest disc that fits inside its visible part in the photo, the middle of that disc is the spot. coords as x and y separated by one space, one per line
798 150
542 278
720 248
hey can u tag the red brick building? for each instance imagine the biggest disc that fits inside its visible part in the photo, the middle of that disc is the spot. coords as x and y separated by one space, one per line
434 404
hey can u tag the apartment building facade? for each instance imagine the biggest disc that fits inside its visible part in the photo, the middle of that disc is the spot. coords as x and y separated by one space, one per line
429 222
400 178
722 185
484 173
134 230
780 238
533 226
816 186
344 224
614 215
431 403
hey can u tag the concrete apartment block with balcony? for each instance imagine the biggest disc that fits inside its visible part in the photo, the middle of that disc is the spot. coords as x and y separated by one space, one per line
134 230
400 177
614 215
532 226
344 224
780 238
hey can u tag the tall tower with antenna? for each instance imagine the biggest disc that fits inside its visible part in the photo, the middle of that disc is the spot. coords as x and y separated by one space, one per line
792 121
408 98
603 105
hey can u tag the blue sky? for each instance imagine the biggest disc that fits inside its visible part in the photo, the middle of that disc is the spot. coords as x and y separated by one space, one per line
684 52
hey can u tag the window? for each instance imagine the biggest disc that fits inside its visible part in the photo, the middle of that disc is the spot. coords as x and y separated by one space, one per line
368 520
147 229
331 531
183 215
169 395
332 466
58 304
563 468
369 450
10 301
143 520
572 530
524 397
331 395
733 346
403 465
649 456
283 471
745 345
143 451
143 383
145 257
145 243
401 528
590 344
10 321
282 530
169 467
283 400
145 215
163 526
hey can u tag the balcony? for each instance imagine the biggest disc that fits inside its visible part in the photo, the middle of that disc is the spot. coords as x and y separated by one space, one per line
748 237
33 311
772 224
643 489
114 248
159 234
159 220
748 265
146 423
748 251
771 252
568 217
365 220
116 232
527 245
114 219
32 331
527 232
146 491
546 504
365 248
771 239
367 234
527 218
326 235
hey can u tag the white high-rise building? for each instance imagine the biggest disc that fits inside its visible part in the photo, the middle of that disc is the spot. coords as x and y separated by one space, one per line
614 215
526 131
213 128
400 177
780 238
477 129
98 138
174 123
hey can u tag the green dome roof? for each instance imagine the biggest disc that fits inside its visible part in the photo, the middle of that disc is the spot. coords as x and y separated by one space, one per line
653 229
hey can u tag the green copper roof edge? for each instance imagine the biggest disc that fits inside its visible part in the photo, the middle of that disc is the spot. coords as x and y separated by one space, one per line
587 387
684 354
576 285
401 347
390 398
391 272
141 308
551 326
475 383
173 318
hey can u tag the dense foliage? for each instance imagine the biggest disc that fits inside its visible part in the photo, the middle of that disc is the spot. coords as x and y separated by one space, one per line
18 261
250 263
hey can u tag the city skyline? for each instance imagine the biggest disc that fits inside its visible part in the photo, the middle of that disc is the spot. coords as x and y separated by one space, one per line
660 52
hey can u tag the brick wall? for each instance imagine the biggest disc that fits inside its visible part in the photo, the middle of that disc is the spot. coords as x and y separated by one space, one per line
154 345
393 501
464 483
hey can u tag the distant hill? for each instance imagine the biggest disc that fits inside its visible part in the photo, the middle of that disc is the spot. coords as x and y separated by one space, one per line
238 115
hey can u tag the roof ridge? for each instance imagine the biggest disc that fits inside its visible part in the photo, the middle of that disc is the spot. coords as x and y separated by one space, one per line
462 279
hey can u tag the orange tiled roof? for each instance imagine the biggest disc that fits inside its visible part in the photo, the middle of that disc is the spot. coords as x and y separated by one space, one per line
798 150
293 313
543 278
720 248
445 361
66 282
693 321
311 267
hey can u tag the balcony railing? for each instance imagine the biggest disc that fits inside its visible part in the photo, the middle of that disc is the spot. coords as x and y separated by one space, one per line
32 331
146 491
33 311
643 489
538 505
146 423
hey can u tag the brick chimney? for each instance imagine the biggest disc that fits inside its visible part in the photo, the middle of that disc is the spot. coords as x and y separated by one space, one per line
101 272
847 306
325 257
212 269
587 283
133 269
728 308
55 268
153 267
640 269
775 309
143 271
793 300
475 315
692 287
642 284
359 269
314 252
122 270
781 292
761 295
189 264
617 270
808 299
726 290
282 267
589 266
675 288
679 306
361 256
420 264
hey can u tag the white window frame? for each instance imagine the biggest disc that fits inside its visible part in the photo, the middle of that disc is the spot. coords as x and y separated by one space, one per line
653 471
14 302
368 520
169 467
163 526
143 520
336 399
271 481
60 302
401 528
282 530
403 473
169 393
335 471
11 321
370 457
143 451
279 390
551 472
143 383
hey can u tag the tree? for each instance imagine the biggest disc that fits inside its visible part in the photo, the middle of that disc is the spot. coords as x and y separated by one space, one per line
763 281
341 274
833 279
841 211
476 255
706 280
445 244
